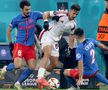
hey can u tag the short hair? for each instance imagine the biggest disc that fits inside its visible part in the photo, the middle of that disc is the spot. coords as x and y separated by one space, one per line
75 7
79 32
24 3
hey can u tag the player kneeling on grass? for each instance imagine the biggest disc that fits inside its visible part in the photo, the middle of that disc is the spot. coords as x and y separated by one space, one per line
85 54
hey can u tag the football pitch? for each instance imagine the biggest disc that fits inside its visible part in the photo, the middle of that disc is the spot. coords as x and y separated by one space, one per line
56 89
101 88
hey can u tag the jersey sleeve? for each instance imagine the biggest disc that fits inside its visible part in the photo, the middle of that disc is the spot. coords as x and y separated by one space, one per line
79 54
58 13
96 42
13 23
38 15
53 13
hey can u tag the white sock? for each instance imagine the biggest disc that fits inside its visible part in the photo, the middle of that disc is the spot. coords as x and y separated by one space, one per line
41 72
5 68
17 82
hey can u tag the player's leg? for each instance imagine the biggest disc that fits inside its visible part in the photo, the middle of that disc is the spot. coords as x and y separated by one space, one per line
9 67
71 40
17 53
53 63
17 56
46 45
54 56
42 66
71 72
101 78
25 74
30 58
17 63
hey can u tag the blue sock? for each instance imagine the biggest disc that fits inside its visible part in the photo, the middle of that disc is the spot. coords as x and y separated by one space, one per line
10 67
25 74
101 78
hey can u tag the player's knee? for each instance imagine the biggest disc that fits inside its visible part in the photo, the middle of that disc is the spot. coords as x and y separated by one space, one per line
17 66
18 62
54 64
32 67
47 53
67 72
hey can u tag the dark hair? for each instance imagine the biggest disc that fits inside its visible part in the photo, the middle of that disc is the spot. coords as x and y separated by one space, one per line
24 3
79 32
75 7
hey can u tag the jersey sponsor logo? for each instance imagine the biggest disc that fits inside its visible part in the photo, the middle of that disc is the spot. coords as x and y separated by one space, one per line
27 27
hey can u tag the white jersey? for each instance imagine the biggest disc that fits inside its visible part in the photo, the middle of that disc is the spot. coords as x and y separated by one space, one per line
56 29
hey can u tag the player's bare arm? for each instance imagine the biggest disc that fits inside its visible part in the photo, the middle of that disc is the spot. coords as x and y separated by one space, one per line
80 67
9 34
52 15
46 15
102 46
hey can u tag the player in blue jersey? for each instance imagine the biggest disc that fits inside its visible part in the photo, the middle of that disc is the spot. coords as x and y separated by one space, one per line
25 24
85 54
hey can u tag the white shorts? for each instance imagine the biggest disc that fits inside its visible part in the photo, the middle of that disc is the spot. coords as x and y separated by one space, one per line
47 40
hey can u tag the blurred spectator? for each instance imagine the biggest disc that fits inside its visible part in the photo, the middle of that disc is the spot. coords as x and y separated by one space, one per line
102 34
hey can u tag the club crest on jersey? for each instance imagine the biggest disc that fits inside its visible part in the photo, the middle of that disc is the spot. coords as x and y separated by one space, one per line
56 46
78 55
30 20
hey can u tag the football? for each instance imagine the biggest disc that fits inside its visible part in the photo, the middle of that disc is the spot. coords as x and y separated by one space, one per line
54 83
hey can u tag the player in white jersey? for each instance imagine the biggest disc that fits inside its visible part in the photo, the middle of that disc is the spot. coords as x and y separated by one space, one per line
61 21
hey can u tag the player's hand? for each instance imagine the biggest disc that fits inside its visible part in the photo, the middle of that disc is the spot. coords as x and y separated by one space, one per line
46 25
79 82
56 18
11 47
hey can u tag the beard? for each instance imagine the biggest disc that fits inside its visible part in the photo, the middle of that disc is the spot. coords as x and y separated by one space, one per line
26 15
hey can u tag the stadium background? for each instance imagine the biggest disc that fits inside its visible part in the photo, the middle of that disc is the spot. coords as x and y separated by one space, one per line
91 12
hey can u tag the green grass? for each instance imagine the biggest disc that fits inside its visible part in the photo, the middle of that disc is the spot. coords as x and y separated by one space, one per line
46 89
101 88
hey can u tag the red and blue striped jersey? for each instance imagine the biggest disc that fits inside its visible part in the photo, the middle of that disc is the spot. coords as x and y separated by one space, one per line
26 27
